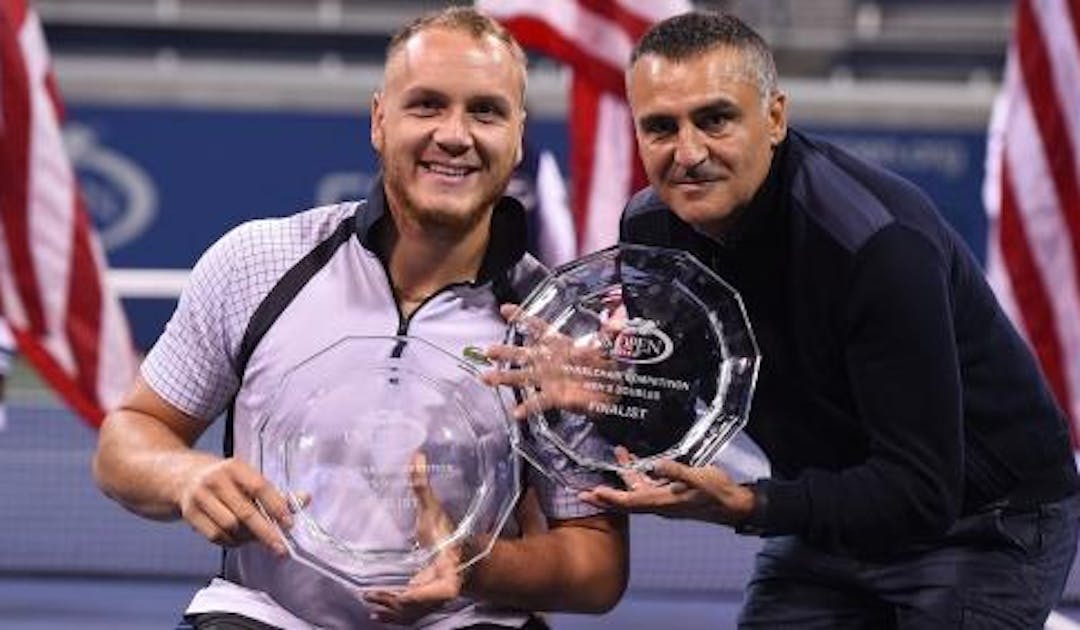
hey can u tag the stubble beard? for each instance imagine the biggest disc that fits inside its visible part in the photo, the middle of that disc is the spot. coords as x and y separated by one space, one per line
440 220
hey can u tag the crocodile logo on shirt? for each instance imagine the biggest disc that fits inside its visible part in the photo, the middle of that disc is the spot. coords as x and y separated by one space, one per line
475 355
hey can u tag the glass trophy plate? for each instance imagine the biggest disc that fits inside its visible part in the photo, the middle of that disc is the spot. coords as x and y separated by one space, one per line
633 346
393 455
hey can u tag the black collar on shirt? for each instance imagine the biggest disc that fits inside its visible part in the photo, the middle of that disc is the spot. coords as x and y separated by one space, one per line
763 206
506 244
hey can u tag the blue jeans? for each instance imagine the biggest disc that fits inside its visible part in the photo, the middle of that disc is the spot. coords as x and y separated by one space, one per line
994 569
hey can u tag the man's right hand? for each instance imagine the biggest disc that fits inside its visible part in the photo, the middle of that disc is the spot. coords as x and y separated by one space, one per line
557 370
221 501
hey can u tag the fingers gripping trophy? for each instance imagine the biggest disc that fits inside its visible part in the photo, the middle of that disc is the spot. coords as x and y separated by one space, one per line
626 358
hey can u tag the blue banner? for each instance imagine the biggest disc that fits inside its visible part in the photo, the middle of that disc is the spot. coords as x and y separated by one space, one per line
163 184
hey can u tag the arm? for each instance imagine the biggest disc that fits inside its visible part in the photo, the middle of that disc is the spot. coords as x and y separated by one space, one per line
145 461
578 565
904 377
575 565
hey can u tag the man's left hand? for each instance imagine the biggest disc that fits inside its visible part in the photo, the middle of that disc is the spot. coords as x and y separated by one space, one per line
428 591
674 490
439 582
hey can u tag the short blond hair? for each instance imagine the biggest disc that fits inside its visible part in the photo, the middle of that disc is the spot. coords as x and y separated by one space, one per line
463 19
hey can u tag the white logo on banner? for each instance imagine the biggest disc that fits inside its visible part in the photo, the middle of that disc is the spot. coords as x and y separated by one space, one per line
120 196
341 186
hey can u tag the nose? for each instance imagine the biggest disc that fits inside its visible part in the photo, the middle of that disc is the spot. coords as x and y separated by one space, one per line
452 134
689 148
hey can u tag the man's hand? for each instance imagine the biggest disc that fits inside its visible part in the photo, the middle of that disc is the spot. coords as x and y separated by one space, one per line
674 490
559 371
439 582
428 591
221 501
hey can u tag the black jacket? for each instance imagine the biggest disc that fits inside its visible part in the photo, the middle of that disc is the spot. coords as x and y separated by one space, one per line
894 394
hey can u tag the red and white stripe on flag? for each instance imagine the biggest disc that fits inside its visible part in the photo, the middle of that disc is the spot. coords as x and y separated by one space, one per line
52 281
595 38
1032 192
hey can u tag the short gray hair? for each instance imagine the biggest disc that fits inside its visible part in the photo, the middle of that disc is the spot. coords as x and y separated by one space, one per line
691 34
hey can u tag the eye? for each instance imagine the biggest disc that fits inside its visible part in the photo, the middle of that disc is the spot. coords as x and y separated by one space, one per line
487 111
713 120
659 127
424 107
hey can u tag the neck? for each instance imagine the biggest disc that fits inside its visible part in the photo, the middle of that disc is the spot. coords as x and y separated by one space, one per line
734 226
421 260
720 230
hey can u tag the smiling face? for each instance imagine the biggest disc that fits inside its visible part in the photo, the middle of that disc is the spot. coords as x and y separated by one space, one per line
704 135
448 127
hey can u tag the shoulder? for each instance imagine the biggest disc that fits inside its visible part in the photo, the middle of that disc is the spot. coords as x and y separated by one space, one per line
238 271
255 254
192 364
266 241
851 199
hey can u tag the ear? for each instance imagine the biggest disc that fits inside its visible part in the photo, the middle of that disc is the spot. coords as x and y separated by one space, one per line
519 154
377 116
777 118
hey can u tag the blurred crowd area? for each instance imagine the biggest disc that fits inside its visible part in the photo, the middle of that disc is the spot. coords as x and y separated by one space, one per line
957 40
166 44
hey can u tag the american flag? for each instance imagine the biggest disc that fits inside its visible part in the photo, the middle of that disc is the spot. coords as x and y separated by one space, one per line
1032 191
52 288
594 38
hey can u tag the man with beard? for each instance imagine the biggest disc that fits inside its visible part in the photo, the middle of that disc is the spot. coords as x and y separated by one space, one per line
432 252
922 473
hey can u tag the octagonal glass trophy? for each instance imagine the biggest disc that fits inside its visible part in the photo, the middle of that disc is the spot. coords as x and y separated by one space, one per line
633 346
395 458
